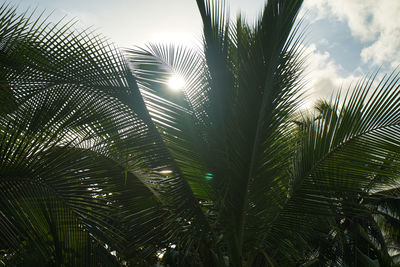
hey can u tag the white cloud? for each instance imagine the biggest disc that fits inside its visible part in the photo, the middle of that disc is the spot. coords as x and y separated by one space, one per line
376 23
323 42
323 76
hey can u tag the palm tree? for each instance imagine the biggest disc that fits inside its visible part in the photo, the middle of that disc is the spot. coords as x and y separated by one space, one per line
77 150
99 159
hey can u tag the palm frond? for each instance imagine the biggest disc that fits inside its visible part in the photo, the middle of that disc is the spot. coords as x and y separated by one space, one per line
76 144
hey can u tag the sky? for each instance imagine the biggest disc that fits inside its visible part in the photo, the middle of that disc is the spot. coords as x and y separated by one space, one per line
345 39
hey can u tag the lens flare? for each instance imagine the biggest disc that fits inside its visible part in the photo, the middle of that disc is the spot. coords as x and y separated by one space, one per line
176 83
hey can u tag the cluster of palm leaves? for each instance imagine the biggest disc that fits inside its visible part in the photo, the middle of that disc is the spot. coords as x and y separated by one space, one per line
102 165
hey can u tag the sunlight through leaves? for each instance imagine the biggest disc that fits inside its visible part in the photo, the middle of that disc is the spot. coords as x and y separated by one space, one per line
176 83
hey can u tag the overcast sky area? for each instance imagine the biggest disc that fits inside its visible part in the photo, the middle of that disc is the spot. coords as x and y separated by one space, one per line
346 39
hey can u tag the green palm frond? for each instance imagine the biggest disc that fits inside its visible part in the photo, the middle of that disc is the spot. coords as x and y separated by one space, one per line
177 115
357 128
347 154
77 145
207 126
101 164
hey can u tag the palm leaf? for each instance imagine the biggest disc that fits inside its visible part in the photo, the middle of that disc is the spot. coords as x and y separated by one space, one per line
77 144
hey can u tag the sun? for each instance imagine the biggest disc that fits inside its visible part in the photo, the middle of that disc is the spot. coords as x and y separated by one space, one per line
176 82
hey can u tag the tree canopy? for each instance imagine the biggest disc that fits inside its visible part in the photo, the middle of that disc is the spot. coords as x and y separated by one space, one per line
102 165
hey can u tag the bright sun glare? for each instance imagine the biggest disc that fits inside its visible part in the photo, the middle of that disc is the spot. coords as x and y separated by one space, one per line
176 83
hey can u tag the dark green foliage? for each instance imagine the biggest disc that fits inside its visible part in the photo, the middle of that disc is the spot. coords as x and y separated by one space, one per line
97 156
